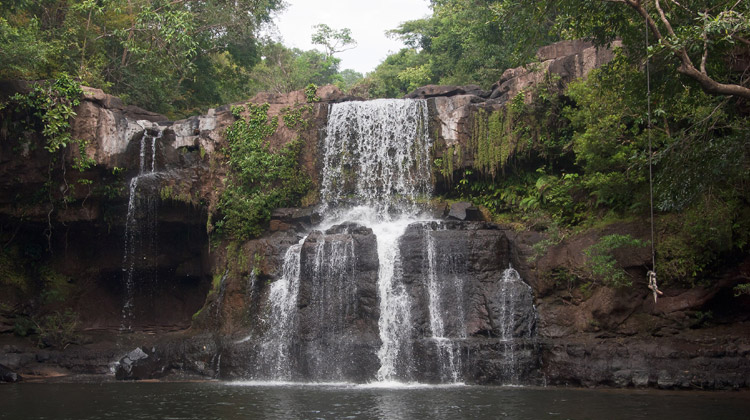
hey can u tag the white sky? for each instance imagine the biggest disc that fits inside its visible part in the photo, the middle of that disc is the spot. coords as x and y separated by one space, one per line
368 21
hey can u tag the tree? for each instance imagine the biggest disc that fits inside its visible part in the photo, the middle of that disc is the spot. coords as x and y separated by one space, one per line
713 25
333 40
464 42
160 54
285 69
699 35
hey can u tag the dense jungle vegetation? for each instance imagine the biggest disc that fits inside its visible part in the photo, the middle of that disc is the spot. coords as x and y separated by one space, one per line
573 158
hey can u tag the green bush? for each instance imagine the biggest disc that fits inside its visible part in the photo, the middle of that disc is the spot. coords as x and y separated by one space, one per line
58 329
602 266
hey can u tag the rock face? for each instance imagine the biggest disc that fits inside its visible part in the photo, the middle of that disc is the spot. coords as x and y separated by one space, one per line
482 306
471 318
568 60
472 314
464 211
454 106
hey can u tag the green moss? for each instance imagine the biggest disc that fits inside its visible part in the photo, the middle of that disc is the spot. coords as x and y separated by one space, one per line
179 193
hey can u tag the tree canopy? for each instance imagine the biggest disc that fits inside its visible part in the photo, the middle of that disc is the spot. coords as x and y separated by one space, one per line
171 56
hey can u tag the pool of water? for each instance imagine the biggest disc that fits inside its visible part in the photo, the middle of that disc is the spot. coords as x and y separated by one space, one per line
238 400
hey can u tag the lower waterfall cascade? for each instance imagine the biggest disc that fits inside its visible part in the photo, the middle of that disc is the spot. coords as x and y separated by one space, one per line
380 290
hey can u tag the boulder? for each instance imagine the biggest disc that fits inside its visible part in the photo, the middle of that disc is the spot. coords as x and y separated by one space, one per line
465 211
141 364
569 60
7 375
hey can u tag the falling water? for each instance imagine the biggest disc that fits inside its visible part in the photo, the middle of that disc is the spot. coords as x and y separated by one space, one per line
375 171
376 154
333 301
445 291
375 166
139 260
275 351
511 283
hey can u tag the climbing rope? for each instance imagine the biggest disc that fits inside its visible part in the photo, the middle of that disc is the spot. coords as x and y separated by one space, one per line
651 273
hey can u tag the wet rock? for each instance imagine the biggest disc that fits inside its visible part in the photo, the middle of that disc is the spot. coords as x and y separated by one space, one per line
339 310
461 271
307 216
465 211
7 375
140 364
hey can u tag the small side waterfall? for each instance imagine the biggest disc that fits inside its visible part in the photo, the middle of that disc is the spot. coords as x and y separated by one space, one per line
139 264
446 303
512 287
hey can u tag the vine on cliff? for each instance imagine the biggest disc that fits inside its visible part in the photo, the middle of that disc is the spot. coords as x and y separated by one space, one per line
52 104
259 179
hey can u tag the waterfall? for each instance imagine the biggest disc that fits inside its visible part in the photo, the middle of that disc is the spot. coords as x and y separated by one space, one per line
375 166
379 290
139 264
376 154
275 354
512 286
446 306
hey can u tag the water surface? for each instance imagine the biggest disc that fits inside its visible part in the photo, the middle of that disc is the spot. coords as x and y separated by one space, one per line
222 400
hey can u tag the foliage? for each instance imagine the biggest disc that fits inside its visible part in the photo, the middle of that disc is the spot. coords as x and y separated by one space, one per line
58 329
697 240
742 289
52 103
164 55
260 179
693 36
24 326
570 156
283 70
384 81
600 263
333 40
311 93
462 42
12 270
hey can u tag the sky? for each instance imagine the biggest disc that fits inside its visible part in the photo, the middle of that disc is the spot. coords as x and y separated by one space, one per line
368 21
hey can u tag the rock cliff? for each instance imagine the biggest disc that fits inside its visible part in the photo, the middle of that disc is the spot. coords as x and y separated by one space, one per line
213 296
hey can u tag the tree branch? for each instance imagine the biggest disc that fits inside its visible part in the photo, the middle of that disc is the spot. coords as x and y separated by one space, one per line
704 35
687 67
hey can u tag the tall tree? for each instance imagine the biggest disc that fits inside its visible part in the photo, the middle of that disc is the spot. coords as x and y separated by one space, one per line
333 40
